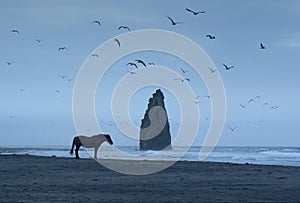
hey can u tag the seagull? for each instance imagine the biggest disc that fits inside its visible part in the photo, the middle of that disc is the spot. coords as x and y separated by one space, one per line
151 63
131 72
227 67
211 37
232 129
182 79
243 106
9 63
251 100
184 71
62 48
124 27
62 76
207 96
266 104
212 70
194 12
132 64
96 22
142 62
95 55
38 40
262 46
274 107
118 42
173 22
15 31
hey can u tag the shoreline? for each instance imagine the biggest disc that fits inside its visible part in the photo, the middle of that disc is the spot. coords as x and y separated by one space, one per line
29 178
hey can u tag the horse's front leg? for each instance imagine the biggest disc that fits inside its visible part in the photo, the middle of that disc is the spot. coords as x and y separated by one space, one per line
95 152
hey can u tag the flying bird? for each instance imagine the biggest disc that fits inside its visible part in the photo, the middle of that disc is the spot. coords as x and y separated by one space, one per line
141 62
227 67
96 22
212 70
243 106
262 46
95 55
118 42
183 71
172 21
9 63
207 96
38 40
274 107
266 104
251 100
182 79
194 12
62 76
131 72
232 129
62 48
124 27
211 36
151 63
132 64
15 31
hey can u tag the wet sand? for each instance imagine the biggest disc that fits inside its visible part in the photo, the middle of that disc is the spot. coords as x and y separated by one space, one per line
27 178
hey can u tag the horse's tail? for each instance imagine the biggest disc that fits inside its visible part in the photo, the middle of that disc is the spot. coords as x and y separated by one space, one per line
73 143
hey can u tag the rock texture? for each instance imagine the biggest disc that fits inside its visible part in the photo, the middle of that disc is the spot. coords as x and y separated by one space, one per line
155 129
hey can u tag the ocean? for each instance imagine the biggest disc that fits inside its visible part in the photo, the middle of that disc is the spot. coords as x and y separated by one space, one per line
288 156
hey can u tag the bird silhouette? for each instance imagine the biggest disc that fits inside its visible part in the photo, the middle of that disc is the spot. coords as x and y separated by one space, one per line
194 12
212 70
227 67
243 106
15 31
266 104
132 64
173 22
95 55
141 62
124 27
38 40
151 63
262 46
211 36
132 72
62 76
96 22
62 48
232 129
9 63
274 107
207 96
182 79
183 71
118 42
251 100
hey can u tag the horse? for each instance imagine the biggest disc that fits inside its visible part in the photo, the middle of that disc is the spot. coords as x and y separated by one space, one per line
90 142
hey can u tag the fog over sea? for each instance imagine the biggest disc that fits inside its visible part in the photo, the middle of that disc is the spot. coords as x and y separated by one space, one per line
288 156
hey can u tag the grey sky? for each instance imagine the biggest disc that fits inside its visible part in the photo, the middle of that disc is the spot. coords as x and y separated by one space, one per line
33 112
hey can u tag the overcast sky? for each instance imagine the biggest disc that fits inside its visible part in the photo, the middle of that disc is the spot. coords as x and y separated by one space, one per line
37 80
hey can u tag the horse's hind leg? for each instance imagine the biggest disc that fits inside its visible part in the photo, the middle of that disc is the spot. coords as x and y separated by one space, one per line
76 151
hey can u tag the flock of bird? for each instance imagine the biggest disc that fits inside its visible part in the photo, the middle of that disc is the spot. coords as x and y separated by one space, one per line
139 63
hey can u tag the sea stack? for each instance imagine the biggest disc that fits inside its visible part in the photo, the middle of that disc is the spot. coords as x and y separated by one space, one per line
155 128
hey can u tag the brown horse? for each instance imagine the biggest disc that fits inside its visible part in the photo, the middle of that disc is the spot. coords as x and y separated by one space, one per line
89 142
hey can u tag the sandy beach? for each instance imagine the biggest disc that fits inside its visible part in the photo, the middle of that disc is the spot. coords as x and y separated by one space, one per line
26 178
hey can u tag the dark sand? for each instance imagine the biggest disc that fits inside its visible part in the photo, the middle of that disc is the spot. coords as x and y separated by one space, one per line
50 179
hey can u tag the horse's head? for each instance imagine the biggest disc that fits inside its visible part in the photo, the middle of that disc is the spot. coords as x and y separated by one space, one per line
108 139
